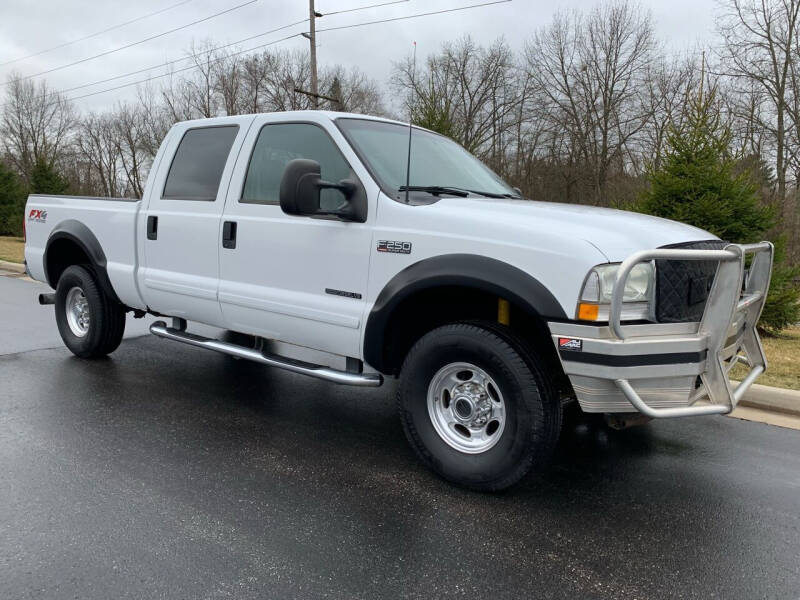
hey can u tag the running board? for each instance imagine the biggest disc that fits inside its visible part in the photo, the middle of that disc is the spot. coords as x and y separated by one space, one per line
160 329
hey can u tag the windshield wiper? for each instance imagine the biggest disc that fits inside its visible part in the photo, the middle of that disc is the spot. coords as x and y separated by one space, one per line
453 191
492 194
436 190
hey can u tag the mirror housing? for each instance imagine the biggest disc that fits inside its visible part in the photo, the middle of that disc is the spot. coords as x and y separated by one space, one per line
300 189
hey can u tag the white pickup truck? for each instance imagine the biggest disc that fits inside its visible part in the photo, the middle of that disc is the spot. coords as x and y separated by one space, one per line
306 235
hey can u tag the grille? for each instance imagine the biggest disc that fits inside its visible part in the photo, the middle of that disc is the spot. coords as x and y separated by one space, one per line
682 286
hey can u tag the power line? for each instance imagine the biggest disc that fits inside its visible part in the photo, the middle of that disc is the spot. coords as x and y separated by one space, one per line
215 49
126 46
347 10
167 74
352 25
425 14
96 33
184 58
178 60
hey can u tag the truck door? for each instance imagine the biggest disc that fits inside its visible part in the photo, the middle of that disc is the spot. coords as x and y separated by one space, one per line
182 220
296 279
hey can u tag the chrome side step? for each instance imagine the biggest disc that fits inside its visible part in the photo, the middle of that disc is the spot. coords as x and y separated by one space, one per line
160 329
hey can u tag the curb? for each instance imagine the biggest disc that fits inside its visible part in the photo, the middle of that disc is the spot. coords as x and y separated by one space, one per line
772 399
10 266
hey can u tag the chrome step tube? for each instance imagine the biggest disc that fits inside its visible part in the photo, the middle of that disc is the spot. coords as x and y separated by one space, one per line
160 329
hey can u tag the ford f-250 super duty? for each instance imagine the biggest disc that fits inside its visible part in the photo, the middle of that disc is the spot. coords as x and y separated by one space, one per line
305 235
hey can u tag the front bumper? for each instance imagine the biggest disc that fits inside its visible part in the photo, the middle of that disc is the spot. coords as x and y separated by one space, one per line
673 369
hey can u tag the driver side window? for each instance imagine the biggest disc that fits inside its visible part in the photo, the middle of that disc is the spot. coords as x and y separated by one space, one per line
279 143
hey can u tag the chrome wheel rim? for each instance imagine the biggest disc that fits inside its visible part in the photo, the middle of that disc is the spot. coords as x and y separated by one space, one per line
466 408
77 309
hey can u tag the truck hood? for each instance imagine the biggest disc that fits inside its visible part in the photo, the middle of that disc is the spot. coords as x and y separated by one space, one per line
615 233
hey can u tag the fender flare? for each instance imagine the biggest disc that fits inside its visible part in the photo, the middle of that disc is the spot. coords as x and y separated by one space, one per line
79 234
465 270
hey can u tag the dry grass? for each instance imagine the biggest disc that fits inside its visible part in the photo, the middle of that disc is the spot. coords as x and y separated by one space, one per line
12 249
783 356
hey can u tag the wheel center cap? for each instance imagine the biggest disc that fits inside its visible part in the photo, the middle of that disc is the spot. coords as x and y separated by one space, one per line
463 408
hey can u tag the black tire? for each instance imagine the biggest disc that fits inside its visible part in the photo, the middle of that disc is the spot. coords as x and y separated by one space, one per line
532 421
106 323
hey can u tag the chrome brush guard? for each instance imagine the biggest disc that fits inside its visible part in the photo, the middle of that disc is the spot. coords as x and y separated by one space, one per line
725 336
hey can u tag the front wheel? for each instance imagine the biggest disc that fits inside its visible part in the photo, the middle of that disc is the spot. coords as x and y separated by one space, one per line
477 406
90 323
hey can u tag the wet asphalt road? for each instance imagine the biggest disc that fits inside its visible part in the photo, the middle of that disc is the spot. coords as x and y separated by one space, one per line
170 472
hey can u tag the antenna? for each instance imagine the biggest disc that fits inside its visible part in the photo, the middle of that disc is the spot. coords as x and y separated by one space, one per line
410 128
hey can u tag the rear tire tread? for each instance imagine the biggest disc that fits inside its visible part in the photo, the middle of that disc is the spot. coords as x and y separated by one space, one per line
107 324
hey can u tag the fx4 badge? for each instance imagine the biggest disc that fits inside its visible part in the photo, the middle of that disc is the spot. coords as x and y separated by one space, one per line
394 247
40 216
570 344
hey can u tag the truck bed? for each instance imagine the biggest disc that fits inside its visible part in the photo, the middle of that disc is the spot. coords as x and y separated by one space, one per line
111 220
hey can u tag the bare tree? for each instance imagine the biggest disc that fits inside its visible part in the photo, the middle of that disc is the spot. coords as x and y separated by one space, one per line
669 82
254 81
131 137
592 71
354 91
98 147
36 125
156 118
759 41
467 91
228 78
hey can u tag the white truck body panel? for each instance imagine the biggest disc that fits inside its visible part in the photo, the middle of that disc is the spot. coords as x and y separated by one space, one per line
313 281
180 270
113 221
554 243
296 259
273 285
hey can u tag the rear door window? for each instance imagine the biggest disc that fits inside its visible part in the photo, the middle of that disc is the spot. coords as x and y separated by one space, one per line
198 164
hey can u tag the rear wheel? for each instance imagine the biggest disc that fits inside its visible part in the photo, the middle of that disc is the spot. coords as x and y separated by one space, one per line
477 406
90 323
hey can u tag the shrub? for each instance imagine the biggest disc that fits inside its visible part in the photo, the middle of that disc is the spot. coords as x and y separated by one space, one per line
700 183
12 202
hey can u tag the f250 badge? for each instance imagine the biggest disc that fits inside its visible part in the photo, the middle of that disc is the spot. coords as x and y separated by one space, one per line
394 247
40 216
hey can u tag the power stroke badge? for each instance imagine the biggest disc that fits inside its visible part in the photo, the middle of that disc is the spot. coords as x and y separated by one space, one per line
394 247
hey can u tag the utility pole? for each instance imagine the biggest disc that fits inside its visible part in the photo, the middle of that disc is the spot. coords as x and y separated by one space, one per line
312 39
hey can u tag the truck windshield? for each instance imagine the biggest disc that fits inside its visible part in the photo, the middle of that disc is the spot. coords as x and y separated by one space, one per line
436 161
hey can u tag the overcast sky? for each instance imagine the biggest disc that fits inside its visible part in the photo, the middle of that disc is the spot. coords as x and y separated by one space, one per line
27 27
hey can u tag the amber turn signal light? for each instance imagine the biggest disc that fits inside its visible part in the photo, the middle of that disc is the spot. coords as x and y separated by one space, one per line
588 312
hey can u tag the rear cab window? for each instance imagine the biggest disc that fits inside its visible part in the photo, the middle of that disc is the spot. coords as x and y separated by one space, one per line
199 161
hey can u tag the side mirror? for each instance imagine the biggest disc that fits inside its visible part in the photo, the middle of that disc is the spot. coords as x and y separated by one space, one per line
300 191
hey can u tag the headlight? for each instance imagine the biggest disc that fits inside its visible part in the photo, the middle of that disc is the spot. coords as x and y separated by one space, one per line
596 294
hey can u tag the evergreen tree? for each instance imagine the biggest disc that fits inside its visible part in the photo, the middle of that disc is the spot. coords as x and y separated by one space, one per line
336 92
12 202
45 179
697 182
432 110
701 184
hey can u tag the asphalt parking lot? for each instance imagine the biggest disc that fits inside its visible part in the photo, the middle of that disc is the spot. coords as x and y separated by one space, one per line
169 472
